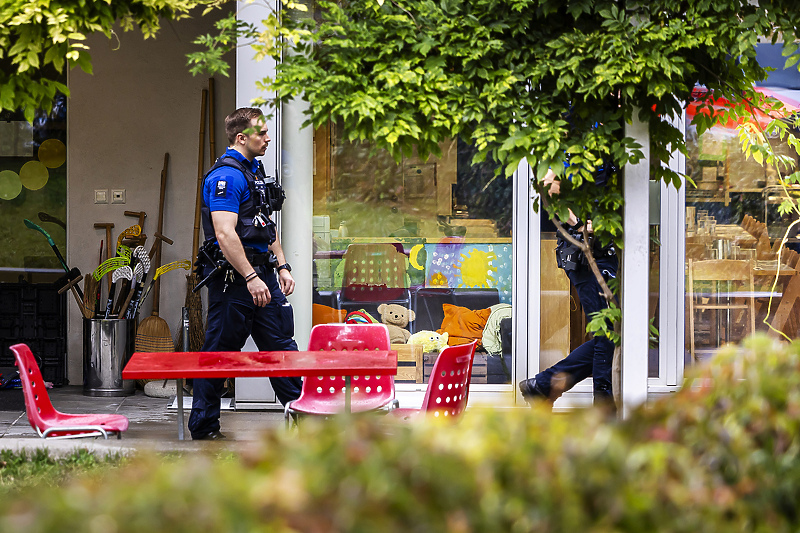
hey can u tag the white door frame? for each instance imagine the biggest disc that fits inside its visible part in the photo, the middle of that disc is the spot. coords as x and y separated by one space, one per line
672 281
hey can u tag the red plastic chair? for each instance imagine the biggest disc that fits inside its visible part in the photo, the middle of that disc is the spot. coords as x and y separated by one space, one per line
44 418
448 387
325 395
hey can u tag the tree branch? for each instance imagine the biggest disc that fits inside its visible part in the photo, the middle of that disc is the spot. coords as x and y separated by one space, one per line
585 248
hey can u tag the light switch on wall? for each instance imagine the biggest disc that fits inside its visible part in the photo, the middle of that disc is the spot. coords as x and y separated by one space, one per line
101 196
117 196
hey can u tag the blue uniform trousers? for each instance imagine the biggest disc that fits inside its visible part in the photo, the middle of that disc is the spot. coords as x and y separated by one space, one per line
232 317
592 358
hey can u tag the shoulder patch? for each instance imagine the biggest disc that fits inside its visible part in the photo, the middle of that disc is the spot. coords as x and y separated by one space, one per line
222 189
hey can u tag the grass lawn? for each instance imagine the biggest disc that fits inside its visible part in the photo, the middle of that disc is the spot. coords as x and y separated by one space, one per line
23 470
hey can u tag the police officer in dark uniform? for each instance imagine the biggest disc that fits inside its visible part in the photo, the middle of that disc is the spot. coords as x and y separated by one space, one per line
243 264
594 357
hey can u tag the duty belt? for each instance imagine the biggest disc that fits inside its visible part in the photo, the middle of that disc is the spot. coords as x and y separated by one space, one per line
260 259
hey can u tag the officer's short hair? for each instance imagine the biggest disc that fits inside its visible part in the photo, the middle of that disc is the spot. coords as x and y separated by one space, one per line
239 120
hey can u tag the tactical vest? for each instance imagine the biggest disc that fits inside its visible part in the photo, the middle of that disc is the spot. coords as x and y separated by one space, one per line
266 197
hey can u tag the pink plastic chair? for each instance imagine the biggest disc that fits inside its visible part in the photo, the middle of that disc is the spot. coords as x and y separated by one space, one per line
448 387
44 418
325 395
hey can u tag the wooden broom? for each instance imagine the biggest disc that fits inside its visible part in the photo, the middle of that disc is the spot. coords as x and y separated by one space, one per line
194 303
153 333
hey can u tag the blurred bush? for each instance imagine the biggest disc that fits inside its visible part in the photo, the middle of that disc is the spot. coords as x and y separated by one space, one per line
720 455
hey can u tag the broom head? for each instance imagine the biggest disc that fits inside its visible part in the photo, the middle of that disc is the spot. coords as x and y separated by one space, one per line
153 335
194 304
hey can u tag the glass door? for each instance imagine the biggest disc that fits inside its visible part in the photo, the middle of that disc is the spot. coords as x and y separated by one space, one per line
423 245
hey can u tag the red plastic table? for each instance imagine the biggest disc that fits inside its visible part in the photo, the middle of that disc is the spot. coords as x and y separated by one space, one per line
181 365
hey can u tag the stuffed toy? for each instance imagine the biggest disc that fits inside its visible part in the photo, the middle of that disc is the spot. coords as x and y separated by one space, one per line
359 317
396 317
430 340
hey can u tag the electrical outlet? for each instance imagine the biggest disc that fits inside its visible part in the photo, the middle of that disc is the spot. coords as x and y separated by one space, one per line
101 196
117 196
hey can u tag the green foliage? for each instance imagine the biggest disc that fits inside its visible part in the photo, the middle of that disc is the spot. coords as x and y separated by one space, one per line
503 74
40 39
20 471
720 455
602 323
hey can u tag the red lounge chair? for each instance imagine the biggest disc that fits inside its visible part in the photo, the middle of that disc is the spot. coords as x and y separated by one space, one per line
325 396
44 418
448 388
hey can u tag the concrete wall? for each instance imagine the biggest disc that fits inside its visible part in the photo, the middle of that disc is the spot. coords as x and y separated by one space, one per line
140 103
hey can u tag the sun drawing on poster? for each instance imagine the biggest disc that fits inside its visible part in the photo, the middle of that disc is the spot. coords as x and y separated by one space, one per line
477 269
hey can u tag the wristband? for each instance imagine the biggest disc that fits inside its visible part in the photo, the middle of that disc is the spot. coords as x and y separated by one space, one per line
250 276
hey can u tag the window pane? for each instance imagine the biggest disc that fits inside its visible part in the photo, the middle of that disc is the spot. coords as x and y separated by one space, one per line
430 236
33 180
654 278
733 231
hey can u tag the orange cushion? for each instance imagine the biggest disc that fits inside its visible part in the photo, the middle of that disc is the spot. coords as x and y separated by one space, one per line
322 314
463 325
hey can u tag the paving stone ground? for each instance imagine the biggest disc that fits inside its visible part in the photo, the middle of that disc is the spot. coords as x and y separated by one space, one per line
153 426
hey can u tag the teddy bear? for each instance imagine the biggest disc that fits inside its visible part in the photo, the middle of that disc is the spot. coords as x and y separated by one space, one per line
396 317
430 340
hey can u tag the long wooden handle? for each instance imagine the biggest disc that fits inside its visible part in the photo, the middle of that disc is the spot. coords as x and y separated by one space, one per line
124 309
200 160
157 257
211 118
162 194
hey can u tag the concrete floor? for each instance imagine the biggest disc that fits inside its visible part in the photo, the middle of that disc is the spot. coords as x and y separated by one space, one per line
153 425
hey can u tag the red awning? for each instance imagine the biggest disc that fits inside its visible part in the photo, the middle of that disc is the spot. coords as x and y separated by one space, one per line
789 98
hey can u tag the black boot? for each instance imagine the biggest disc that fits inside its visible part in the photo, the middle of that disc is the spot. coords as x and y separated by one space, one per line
530 391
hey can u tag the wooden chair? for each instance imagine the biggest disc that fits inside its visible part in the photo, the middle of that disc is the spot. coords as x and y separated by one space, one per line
734 273
786 318
45 419
448 388
325 396
753 226
790 258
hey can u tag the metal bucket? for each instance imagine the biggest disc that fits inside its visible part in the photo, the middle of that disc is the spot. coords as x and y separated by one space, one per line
107 346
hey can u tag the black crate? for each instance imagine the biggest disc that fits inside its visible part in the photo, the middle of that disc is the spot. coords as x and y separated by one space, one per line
27 320
49 302
35 314
48 327
51 356
40 299
9 299
51 351
55 374
9 327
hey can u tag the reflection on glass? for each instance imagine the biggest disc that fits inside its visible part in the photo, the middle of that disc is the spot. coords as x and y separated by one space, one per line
33 184
733 231
421 245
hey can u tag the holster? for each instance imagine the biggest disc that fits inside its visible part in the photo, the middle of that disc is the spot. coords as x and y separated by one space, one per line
569 256
210 262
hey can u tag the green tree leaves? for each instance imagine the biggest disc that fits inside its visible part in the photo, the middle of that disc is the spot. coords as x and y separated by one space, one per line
504 75
39 39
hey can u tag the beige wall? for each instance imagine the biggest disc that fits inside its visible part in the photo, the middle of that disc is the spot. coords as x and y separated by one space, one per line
140 103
